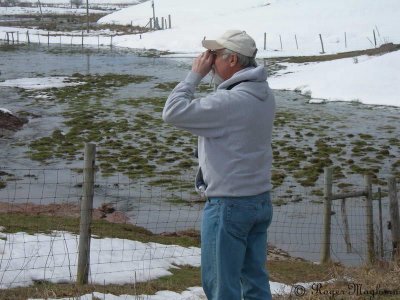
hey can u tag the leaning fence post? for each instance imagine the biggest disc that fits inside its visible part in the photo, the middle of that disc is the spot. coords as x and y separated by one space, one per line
369 219
86 214
326 238
394 217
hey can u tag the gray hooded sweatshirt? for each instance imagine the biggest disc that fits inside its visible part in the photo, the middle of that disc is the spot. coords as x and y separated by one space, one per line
234 128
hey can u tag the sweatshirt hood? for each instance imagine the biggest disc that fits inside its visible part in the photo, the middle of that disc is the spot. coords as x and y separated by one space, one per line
252 74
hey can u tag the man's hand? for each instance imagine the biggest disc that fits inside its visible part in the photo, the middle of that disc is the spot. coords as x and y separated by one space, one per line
202 64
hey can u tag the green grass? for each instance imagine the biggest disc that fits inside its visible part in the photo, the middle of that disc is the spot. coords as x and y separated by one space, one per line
18 222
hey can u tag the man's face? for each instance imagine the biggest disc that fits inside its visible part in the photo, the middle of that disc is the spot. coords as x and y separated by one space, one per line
220 65
223 67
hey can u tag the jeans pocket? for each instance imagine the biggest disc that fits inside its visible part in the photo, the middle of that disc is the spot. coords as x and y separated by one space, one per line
239 219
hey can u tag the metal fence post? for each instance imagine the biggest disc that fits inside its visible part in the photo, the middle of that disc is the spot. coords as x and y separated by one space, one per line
86 214
326 238
369 219
394 217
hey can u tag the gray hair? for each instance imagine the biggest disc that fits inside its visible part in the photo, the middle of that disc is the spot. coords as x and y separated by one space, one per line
244 61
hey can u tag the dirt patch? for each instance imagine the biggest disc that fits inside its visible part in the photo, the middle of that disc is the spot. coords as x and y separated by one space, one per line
64 210
11 122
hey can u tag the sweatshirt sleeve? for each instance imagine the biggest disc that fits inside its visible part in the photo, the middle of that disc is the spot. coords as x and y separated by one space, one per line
201 116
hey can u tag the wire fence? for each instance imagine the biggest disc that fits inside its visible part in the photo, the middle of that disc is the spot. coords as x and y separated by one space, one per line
139 223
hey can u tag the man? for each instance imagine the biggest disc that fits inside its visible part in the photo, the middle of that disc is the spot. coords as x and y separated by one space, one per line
234 127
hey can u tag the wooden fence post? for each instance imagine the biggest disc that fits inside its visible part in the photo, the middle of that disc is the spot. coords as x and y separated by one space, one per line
374 37
394 217
345 40
369 219
82 38
326 238
27 37
265 41
297 44
169 21
322 44
280 39
346 226
382 254
48 38
162 23
86 214
111 42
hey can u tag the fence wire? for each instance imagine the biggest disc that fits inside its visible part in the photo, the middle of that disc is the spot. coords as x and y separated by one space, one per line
40 210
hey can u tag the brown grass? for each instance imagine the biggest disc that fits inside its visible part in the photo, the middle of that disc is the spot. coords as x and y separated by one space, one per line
386 48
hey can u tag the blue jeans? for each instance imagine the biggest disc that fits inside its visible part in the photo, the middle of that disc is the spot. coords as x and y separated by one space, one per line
234 247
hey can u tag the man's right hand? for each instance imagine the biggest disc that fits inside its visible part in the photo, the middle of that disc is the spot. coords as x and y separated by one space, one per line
203 63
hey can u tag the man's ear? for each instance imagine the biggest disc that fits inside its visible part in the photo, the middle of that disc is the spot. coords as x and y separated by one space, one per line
233 60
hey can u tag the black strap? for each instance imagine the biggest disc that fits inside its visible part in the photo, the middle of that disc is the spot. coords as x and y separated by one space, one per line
235 84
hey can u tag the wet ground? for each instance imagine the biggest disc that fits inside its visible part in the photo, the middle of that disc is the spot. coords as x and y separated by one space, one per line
145 168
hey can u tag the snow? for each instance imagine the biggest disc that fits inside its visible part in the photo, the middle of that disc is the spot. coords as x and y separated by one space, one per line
26 258
373 80
5 111
39 83
368 79
11 11
192 20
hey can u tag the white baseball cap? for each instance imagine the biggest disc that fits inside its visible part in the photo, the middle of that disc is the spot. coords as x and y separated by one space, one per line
235 40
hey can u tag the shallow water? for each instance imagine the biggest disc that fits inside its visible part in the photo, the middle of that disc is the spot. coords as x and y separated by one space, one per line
297 226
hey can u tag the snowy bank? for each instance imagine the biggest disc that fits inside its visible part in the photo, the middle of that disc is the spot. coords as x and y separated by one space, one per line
280 19
366 79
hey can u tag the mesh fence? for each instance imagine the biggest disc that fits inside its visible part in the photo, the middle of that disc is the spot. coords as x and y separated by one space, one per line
139 223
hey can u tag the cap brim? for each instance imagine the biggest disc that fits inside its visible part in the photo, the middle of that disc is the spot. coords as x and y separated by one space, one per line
211 45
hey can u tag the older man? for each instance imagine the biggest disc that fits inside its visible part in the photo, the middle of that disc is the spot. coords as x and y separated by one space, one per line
234 127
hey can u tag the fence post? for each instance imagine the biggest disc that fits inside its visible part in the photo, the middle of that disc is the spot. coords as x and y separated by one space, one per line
27 36
369 219
345 40
82 38
346 226
162 23
382 254
322 44
151 23
394 217
86 214
374 37
169 21
297 44
17 37
48 38
38 36
265 41
326 238
280 39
